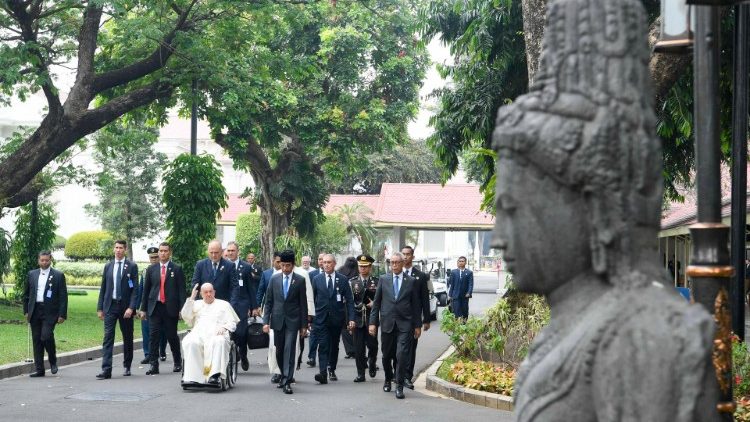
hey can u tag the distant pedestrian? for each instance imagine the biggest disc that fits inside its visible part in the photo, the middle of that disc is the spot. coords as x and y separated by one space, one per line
45 304
460 289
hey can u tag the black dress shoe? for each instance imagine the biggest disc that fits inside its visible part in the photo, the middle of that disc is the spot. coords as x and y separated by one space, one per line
360 378
400 392
163 358
153 370
145 361
387 386
408 384
126 373
373 372
321 378
36 374
53 368
348 356
245 364
311 363
177 368
214 380
276 378
332 375
288 389
104 376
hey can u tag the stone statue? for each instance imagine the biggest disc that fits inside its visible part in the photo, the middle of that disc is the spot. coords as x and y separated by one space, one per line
579 195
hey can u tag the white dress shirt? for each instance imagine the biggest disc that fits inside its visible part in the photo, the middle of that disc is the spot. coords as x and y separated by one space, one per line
114 277
40 283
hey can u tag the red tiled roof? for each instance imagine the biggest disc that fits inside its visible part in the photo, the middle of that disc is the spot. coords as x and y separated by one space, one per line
412 205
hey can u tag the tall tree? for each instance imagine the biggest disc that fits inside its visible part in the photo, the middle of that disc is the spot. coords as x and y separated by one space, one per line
413 162
310 90
129 199
35 231
123 52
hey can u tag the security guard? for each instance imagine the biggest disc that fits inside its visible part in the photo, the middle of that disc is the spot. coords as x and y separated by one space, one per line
363 289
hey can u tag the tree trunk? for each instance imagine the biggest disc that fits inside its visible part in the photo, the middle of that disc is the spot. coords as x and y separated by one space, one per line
534 21
273 224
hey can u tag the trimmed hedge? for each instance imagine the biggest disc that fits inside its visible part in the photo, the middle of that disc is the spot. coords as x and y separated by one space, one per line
89 245
59 242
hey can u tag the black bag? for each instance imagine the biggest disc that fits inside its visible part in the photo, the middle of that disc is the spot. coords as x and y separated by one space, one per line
256 338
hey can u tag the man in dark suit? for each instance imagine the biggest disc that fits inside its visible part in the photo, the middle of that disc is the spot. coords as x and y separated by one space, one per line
460 288
45 303
396 310
153 258
215 270
163 297
243 298
286 314
334 305
424 286
117 304
265 278
313 337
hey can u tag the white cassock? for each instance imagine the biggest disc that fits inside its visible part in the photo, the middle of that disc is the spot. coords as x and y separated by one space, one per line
205 351
273 366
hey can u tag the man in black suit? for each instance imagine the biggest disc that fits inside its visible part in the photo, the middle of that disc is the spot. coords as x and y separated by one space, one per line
312 340
396 310
286 314
422 281
117 303
334 306
215 270
45 303
243 298
163 297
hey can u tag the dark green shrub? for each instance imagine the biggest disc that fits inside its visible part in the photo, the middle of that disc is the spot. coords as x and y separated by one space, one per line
89 245
59 242
248 233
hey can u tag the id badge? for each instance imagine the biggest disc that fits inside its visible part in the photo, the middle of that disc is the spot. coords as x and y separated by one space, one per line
130 283
242 283
338 297
49 294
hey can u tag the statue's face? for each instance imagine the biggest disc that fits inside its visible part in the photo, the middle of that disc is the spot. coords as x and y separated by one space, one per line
541 228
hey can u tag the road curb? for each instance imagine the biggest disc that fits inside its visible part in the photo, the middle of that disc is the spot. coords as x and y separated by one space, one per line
448 389
69 358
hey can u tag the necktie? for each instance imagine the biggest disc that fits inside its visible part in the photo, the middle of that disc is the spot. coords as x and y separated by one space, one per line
286 285
216 265
162 296
330 285
117 281
395 285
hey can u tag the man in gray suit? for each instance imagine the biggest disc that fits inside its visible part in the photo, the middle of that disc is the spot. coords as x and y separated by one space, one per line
45 303
396 310
286 313
117 303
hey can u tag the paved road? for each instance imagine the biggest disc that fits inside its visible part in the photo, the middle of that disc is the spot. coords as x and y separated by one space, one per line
67 396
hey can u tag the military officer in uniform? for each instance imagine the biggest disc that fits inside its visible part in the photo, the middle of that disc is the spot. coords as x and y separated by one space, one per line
363 289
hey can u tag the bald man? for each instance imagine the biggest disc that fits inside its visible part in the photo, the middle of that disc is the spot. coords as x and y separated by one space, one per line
215 270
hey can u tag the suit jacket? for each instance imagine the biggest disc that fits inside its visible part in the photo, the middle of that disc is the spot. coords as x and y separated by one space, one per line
328 309
265 280
402 312
55 303
256 272
422 280
289 313
174 289
243 294
128 285
204 272
460 287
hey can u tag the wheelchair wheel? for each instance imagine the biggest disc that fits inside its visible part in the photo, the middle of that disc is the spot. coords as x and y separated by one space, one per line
232 365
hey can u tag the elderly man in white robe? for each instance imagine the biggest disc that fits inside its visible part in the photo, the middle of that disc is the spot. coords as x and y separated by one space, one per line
206 347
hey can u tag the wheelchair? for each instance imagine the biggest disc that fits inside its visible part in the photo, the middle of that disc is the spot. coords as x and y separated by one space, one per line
224 384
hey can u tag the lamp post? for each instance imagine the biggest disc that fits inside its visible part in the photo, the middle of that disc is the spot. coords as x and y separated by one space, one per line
677 23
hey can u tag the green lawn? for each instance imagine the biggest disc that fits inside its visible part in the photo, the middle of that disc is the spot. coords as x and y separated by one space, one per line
81 330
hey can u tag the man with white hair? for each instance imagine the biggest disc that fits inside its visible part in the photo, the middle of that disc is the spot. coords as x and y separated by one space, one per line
206 347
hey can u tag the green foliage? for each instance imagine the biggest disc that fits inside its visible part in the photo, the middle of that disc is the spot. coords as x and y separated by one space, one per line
193 197
504 334
356 219
329 236
740 368
413 162
59 242
248 233
35 231
129 200
95 244
81 269
5 256
486 38
483 376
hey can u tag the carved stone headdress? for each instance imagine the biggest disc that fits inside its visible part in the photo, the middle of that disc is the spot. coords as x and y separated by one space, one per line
589 124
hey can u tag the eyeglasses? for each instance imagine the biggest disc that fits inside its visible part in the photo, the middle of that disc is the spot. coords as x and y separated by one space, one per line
396 262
